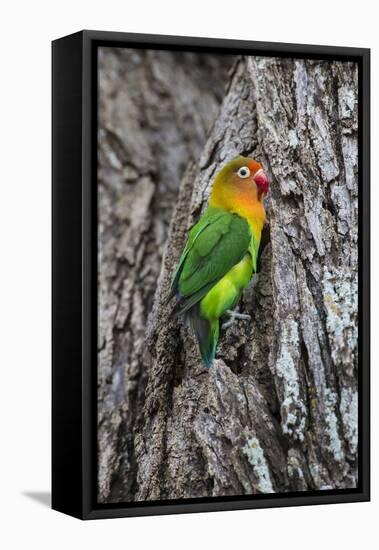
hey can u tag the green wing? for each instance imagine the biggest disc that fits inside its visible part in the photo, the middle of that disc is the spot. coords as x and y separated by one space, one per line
215 244
209 216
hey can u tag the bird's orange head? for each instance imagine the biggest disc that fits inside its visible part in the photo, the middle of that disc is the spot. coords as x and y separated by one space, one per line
240 185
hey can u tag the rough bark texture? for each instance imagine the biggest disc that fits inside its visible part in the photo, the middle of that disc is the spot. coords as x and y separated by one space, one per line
155 112
278 410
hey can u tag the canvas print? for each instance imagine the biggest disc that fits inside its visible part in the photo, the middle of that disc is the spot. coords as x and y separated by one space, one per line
227 275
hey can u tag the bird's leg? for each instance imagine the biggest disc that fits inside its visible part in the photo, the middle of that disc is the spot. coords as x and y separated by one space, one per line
235 315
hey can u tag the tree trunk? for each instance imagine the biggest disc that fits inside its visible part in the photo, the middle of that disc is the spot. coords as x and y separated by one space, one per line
155 111
277 411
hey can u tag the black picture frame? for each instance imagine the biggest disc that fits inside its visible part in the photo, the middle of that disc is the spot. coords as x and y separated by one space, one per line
74 294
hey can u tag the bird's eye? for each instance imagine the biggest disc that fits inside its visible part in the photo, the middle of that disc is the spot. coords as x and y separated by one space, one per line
244 172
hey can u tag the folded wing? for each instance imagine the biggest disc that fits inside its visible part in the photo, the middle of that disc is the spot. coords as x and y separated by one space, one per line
215 244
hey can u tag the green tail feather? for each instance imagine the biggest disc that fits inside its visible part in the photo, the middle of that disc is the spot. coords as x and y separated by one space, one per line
206 332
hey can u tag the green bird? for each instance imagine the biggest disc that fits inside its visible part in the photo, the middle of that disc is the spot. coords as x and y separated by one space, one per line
221 252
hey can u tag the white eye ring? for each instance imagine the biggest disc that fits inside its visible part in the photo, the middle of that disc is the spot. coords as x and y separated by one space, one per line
243 172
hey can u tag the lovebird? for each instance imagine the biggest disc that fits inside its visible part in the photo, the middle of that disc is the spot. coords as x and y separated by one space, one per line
220 255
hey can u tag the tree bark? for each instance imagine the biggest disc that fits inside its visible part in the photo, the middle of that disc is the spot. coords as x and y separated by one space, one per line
277 411
155 111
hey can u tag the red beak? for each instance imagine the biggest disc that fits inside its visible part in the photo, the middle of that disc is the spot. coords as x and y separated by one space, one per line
262 181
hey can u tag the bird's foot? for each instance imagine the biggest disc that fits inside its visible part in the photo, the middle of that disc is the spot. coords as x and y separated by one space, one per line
234 316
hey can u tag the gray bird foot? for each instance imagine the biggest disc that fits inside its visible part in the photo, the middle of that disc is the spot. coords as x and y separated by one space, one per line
234 316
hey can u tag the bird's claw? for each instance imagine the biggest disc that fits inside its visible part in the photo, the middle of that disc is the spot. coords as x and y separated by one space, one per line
235 315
